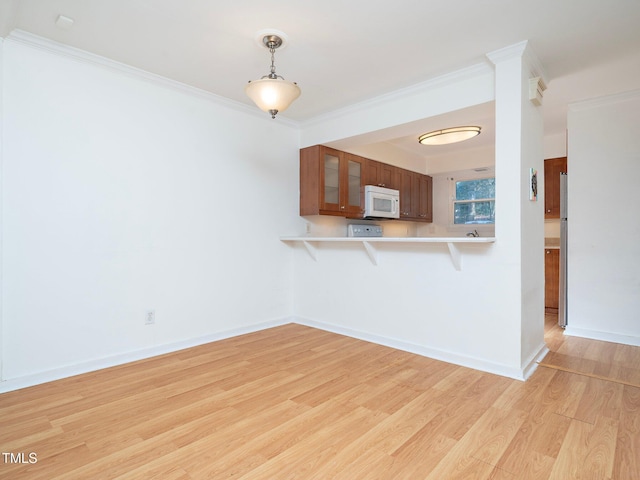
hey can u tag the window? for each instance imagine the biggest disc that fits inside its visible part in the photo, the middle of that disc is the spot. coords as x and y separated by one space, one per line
474 201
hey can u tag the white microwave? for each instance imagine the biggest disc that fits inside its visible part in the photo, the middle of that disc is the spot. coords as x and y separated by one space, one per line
380 202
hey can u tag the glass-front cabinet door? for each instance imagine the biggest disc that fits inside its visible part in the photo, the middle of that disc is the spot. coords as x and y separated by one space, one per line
342 178
354 182
331 181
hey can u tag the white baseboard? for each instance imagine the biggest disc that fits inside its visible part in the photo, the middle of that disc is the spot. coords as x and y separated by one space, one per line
534 360
436 354
112 361
604 336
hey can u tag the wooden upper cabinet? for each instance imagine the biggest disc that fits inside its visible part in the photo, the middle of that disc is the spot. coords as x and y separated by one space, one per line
372 172
408 194
390 176
552 169
331 182
425 198
381 174
416 196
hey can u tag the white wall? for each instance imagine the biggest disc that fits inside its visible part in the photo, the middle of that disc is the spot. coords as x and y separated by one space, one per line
388 113
415 298
122 194
603 219
555 145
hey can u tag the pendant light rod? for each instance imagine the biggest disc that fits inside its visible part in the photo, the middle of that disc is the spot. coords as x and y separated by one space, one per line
272 42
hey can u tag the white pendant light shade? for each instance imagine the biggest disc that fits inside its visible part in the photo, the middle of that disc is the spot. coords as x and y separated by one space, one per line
272 95
449 135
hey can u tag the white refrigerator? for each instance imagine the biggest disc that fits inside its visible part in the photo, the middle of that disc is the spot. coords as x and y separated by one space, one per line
562 296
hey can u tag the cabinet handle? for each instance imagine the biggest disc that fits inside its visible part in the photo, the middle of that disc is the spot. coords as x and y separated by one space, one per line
341 207
549 211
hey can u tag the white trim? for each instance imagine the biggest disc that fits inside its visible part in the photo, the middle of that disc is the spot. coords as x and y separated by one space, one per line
34 41
506 53
520 50
604 101
603 336
437 354
119 359
531 366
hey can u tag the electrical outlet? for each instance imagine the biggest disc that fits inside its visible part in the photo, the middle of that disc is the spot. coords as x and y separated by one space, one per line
150 317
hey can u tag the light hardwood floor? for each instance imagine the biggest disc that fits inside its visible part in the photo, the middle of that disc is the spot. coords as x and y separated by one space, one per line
299 403
611 361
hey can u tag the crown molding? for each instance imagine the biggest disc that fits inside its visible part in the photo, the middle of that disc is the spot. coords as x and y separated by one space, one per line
613 99
401 94
520 50
50 46
506 53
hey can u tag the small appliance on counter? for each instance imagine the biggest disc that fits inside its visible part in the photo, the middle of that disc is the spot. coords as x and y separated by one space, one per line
354 230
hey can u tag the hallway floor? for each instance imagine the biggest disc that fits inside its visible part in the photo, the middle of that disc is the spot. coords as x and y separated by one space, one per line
604 360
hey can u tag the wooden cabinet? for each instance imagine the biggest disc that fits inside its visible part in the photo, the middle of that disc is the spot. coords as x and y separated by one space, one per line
408 194
381 174
552 169
331 182
551 279
416 196
425 198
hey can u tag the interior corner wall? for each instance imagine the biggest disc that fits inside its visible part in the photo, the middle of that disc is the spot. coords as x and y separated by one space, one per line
122 195
603 219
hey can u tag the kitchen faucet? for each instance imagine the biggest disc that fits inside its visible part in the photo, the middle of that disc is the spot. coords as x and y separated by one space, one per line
473 234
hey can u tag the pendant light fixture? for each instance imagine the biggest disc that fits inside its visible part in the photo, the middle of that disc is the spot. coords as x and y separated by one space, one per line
272 93
449 135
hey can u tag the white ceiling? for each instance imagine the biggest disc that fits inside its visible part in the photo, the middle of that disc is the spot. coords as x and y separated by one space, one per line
344 52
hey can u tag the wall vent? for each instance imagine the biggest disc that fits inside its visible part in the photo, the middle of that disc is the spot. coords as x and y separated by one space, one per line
536 90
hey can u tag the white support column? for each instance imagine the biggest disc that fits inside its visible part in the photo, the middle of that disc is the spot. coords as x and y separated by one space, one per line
520 221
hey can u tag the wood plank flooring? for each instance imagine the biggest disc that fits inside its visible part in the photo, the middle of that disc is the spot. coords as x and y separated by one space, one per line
298 403
610 361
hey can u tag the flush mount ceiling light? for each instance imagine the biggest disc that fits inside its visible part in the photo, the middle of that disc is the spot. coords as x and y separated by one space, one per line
449 135
272 93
